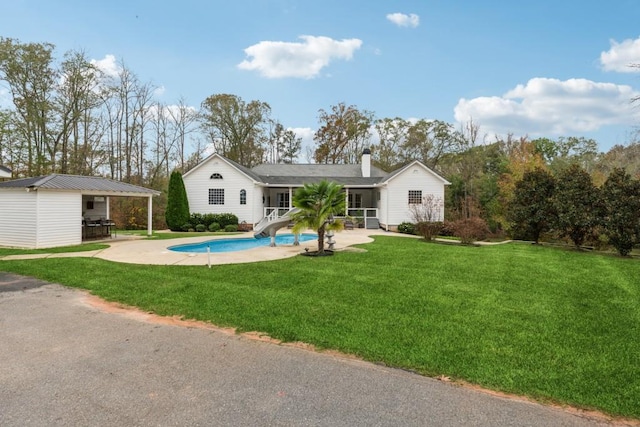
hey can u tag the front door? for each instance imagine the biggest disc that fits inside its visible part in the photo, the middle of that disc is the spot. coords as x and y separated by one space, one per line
282 200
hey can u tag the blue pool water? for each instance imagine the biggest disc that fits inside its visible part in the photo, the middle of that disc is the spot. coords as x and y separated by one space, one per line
240 244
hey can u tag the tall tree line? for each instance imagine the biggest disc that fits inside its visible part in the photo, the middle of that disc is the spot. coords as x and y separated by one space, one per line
71 117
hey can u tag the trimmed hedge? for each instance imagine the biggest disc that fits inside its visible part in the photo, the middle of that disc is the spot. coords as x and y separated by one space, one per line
406 228
222 219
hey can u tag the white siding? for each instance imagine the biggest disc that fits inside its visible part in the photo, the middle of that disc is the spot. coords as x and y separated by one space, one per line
259 203
382 206
99 207
198 183
17 218
59 218
415 177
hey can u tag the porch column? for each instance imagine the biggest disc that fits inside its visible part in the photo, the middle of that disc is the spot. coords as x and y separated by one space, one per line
149 217
290 197
108 209
346 202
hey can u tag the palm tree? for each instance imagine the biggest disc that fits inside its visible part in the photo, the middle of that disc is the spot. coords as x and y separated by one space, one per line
317 204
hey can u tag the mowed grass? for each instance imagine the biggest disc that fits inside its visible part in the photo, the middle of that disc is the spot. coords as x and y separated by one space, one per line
63 249
556 325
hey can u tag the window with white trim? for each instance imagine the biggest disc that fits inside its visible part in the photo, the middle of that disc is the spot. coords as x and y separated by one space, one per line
216 196
216 176
243 197
355 200
415 197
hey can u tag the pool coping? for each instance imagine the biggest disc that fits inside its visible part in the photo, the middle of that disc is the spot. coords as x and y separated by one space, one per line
254 243
156 252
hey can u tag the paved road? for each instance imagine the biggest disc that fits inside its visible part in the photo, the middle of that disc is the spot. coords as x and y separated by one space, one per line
65 363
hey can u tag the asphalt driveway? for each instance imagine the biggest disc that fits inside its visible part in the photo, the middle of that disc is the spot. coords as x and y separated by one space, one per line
64 362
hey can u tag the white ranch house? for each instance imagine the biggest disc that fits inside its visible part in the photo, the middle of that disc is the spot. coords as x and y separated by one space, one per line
60 210
375 198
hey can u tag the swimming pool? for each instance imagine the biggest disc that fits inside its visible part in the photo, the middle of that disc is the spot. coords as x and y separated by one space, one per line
239 244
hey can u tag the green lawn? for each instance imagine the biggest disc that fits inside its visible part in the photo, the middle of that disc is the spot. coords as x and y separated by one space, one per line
557 325
76 248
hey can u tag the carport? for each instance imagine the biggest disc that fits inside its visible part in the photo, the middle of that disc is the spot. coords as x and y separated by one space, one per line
52 210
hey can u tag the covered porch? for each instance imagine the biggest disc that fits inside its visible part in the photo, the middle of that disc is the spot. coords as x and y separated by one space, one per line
361 204
96 218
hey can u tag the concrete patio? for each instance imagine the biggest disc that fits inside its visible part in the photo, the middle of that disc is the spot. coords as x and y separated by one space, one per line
155 252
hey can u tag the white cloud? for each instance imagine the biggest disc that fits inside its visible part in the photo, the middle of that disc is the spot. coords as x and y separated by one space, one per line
621 56
108 65
547 107
402 20
159 91
302 60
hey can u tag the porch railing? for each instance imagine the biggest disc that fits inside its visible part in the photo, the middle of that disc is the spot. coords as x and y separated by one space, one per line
363 216
274 212
360 215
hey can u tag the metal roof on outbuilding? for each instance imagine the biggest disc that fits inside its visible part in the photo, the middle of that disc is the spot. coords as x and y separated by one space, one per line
79 183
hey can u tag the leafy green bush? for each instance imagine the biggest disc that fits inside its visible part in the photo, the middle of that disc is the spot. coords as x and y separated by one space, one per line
186 227
208 219
214 226
231 228
406 228
196 219
223 219
177 212
200 228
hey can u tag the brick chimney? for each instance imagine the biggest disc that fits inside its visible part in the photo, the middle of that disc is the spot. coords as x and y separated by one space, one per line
366 163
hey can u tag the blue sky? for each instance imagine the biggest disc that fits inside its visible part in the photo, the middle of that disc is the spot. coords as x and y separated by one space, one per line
536 68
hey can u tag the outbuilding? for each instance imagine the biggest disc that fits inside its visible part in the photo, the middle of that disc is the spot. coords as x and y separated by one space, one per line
60 210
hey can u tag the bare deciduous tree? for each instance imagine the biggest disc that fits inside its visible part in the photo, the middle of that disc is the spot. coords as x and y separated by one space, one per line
428 216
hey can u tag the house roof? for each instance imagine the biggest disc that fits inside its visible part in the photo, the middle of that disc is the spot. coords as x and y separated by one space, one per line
79 183
236 165
5 171
294 174
286 174
315 170
396 172
298 180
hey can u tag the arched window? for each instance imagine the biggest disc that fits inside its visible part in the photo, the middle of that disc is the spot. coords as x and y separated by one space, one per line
243 197
216 176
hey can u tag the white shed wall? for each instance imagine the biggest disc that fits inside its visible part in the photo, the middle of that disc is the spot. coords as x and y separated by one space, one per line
17 218
198 183
413 178
59 218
